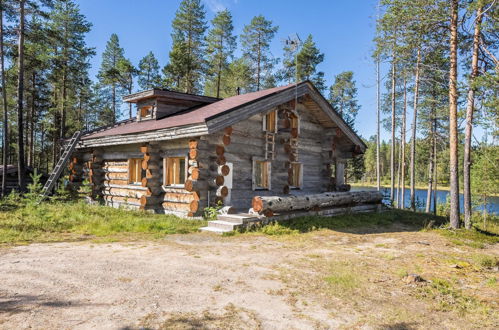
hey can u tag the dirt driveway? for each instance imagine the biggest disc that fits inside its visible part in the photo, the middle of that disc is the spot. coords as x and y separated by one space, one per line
205 281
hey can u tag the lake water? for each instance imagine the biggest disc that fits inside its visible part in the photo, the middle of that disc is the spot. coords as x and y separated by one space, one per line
492 202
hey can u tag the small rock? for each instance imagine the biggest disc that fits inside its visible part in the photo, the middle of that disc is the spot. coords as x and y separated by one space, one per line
456 266
413 278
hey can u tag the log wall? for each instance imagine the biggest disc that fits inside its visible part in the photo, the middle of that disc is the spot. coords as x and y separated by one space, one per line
208 175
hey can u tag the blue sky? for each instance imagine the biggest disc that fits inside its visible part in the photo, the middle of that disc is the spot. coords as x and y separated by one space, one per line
343 30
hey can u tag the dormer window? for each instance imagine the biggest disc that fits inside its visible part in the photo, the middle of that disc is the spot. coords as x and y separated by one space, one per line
146 112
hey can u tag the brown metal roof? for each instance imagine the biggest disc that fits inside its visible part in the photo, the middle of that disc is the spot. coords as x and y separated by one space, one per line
191 116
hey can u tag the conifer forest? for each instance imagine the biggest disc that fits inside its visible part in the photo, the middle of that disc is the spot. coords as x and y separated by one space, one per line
436 70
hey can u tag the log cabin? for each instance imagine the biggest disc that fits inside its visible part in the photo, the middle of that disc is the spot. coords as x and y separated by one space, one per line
185 152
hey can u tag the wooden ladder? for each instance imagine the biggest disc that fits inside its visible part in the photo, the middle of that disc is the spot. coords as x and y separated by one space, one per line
270 145
59 167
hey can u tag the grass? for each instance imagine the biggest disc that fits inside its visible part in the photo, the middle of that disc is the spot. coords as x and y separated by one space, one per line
60 221
350 222
448 298
476 237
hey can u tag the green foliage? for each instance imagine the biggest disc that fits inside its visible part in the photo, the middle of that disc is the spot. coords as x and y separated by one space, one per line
301 64
447 298
255 42
276 229
110 77
185 69
343 97
221 44
148 72
56 221
211 212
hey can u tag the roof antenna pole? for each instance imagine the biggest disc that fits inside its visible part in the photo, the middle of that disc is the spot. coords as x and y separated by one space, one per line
294 44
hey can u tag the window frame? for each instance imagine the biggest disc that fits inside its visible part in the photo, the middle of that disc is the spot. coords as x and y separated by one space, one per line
298 121
137 164
149 108
268 168
166 168
300 176
264 121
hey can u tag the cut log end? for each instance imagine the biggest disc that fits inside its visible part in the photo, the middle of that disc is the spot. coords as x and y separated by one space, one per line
257 204
220 150
222 191
228 130
193 153
226 140
224 170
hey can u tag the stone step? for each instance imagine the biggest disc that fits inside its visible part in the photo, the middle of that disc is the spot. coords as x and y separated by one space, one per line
241 218
223 224
214 230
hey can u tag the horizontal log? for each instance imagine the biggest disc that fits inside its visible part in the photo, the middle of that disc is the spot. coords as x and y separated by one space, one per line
116 176
189 207
191 185
180 197
278 204
120 199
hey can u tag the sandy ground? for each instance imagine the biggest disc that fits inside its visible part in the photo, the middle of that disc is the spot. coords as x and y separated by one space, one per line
183 281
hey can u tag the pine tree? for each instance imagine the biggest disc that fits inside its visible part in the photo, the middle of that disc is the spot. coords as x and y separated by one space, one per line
238 79
67 29
453 138
303 65
148 73
185 70
255 42
109 74
221 44
126 72
343 97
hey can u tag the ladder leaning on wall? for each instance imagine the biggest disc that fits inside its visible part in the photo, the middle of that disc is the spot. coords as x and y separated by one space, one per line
59 167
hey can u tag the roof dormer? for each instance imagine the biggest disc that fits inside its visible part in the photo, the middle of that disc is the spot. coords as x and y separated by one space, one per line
160 103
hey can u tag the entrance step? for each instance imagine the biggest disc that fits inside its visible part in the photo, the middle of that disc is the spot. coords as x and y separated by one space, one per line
228 222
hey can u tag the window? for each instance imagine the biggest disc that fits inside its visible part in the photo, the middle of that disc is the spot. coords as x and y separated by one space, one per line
270 122
294 121
175 171
146 111
261 174
135 170
296 175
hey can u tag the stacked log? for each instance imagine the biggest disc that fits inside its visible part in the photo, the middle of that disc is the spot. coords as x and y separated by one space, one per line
187 200
291 149
223 170
151 180
269 205
96 175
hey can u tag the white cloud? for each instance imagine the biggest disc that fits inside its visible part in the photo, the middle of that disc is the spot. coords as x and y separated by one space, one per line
215 5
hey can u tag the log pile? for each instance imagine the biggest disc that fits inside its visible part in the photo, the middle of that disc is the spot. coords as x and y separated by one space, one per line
96 174
151 180
269 205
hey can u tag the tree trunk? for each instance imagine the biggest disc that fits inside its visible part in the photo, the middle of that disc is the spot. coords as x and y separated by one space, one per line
435 172
399 168
20 99
32 143
258 64
430 167
453 139
392 152
114 102
402 149
378 110
261 204
5 106
469 121
413 137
